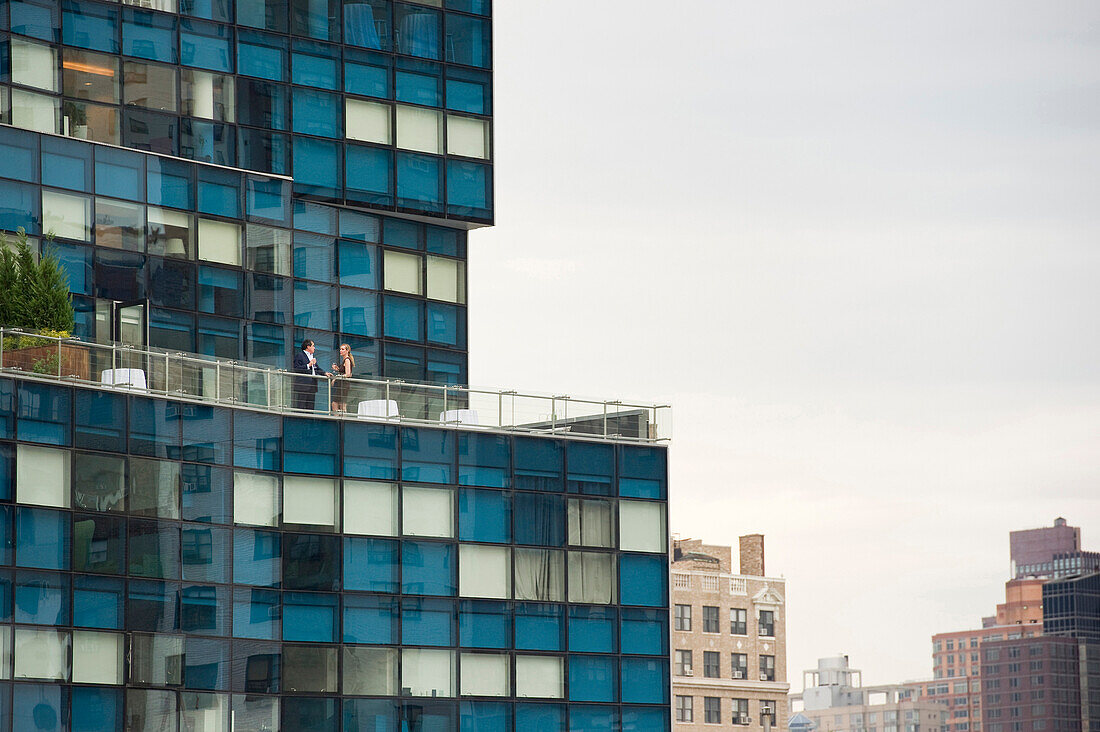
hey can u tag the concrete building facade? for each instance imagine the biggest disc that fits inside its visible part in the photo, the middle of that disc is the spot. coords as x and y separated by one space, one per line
729 658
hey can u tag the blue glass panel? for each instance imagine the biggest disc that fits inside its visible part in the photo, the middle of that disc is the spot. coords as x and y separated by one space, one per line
317 113
119 173
172 285
469 189
207 493
20 150
417 30
538 464
310 715
539 627
446 324
591 467
262 55
645 632
257 441
485 717
204 610
401 233
40 707
484 624
484 460
367 24
42 538
592 678
266 344
153 606
315 306
218 337
316 65
206 664
149 35
592 629
311 562
206 552
645 681
359 312
209 142
367 73
315 217
44 412
19 206
262 104
221 291
206 434
539 519
98 602
316 167
90 26
100 420
7 408
150 131
96 709
66 164
593 719
205 45
42 598
541 717
99 543
643 580
645 719
360 226
171 183
310 617
154 428
427 622
256 614
35 18
219 192
358 264
268 199
314 257
370 451
468 40
312 446
257 558
404 318
643 472
7 480
370 619
445 367
427 455
418 83
484 516
469 90
419 182
427 717
427 568
370 175
154 549
445 241
370 564
7 596
172 331
477 7
369 715
220 10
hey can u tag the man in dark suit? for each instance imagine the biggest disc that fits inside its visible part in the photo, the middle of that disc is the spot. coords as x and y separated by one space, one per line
304 387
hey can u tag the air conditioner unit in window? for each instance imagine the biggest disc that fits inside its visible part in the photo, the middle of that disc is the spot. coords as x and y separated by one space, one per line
738 673
743 719
763 677
687 672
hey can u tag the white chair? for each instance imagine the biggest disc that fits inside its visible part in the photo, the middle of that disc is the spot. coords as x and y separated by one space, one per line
124 378
385 408
461 416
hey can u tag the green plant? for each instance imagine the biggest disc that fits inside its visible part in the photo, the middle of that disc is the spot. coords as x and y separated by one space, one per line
49 365
34 294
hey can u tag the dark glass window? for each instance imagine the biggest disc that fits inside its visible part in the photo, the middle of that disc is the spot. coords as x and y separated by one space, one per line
100 420
44 412
262 104
539 519
419 182
256 667
367 73
316 65
710 619
538 464
206 551
219 337
263 150
154 549
154 428
417 30
220 291
206 434
484 460
204 610
591 467
404 318
257 440
317 169
312 446
369 175
99 543
311 562
370 451
170 183
41 598
172 330
98 602
427 455
152 607
469 40
206 493
642 472
150 131
35 18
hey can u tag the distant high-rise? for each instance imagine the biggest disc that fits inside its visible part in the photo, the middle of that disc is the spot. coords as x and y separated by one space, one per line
1050 551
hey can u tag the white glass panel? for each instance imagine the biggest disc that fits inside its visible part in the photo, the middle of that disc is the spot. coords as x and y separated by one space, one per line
5 653
484 675
590 522
402 272
370 671
370 508
34 64
484 571
42 476
419 129
168 6
641 526
591 577
427 672
34 111
539 676
468 137
41 654
446 279
427 511
368 121
207 95
97 657
255 499
66 216
540 575
219 241
204 712
309 501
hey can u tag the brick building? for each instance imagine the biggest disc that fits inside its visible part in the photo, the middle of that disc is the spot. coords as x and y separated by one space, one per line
728 639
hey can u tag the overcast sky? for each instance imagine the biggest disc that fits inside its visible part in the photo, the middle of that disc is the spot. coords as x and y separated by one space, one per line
855 244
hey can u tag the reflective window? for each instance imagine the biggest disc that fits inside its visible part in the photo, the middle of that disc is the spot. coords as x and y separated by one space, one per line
149 85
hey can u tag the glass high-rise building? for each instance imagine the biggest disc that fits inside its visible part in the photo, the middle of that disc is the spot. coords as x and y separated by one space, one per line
186 552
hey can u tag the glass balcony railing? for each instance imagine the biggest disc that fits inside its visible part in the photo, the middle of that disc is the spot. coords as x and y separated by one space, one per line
204 379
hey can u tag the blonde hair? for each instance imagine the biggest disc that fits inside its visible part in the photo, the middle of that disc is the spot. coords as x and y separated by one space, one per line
345 345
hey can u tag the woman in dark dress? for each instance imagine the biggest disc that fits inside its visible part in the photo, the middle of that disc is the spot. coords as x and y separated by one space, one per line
342 371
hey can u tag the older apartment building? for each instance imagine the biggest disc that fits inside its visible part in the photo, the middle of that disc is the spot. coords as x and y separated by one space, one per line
729 641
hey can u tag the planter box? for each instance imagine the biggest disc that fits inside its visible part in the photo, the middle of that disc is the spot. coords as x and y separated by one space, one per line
74 360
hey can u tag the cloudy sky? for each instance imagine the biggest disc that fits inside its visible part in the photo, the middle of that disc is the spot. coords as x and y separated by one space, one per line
856 244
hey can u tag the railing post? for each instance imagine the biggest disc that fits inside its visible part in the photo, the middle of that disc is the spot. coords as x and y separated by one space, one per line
218 381
1 348
605 419
59 357
167 372
445 390
553 414
500 409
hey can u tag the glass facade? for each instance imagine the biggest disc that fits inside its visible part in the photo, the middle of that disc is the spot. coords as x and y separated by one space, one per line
175 566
